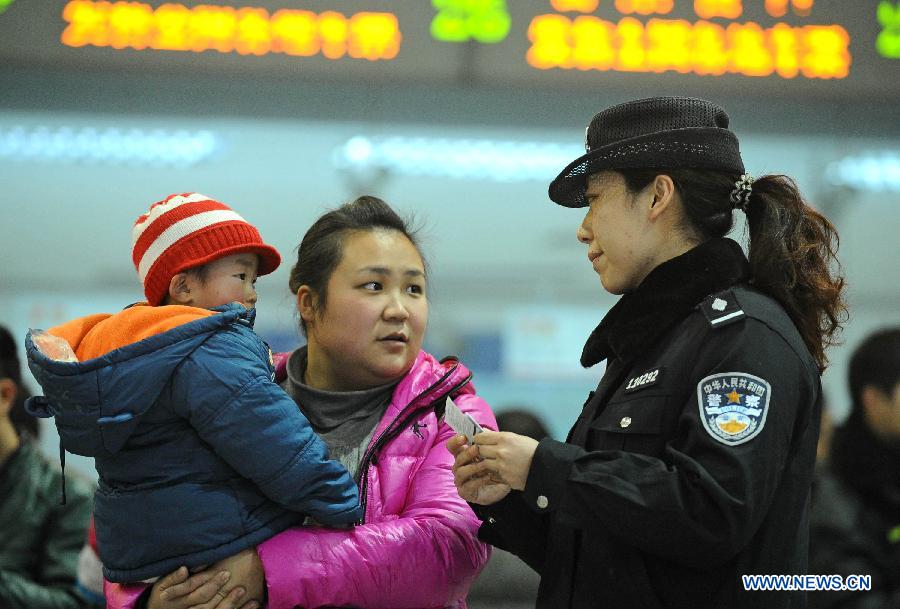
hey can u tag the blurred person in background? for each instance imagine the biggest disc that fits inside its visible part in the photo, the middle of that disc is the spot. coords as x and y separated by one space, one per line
507 582
826 434
372 394
90 570
855 521
691 463
40 539
523 422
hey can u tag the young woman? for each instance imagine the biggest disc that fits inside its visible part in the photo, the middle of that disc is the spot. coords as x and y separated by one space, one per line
375 397
691 463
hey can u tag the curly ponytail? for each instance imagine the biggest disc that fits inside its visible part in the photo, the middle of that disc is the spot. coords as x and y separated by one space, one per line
793 248
793 258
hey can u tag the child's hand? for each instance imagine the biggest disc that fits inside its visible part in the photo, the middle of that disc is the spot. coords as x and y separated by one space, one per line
202 590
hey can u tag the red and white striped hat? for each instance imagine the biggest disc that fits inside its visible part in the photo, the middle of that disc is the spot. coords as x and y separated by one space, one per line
188 230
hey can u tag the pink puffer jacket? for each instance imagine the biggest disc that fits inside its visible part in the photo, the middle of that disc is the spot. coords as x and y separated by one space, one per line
417 547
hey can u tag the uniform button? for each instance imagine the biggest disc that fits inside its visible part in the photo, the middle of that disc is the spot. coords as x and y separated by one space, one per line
542 501
625 422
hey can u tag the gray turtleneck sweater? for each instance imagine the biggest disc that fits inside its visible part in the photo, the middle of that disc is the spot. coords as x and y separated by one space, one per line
345 420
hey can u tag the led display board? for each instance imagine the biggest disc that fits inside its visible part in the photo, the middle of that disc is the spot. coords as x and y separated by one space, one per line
755 48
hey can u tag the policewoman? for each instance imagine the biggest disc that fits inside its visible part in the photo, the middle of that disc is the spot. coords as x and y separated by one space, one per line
690 464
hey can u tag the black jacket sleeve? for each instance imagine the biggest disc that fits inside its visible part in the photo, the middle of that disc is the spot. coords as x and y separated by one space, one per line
504 523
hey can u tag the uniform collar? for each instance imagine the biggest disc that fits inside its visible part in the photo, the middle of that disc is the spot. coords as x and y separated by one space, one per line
665 296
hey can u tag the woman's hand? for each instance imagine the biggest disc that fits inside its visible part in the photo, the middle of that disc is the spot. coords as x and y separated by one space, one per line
201 590
224 585
474 482
246 571
507 456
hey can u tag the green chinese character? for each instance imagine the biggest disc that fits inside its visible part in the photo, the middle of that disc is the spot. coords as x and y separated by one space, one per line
888 43
486 21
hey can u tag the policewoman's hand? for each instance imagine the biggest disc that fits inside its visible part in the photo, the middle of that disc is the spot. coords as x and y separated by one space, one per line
507 456
473 481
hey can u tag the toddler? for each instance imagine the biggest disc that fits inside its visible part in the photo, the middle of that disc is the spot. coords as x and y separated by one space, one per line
199 453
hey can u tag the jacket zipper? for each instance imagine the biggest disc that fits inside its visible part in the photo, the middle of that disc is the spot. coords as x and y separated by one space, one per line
394 429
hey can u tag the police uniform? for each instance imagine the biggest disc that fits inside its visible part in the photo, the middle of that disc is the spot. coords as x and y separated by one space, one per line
691 463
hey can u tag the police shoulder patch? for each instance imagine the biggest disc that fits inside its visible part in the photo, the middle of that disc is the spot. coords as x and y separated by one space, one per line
733 406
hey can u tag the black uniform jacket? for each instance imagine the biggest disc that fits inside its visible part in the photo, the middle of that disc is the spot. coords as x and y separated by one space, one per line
691 463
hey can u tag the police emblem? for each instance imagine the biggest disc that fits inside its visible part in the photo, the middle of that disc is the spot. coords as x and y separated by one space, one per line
733 406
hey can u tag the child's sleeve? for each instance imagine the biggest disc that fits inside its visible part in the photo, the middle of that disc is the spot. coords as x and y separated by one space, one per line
225 390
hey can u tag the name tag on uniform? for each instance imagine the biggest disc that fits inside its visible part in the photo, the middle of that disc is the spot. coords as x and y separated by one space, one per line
643 380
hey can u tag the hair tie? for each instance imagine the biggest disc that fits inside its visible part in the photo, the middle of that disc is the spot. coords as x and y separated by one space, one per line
740 196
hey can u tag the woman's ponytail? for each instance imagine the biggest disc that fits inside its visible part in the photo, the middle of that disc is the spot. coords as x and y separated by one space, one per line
793 258
792 246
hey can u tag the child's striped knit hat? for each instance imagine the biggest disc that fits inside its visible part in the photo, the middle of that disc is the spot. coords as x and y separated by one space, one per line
188 230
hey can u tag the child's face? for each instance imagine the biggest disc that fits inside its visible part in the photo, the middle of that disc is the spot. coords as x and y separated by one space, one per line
372 326
228 279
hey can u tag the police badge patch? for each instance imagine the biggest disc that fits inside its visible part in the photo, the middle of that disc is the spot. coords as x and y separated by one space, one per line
733 406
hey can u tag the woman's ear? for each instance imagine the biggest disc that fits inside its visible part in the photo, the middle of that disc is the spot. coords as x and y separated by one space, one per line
179 290
662 191
306 302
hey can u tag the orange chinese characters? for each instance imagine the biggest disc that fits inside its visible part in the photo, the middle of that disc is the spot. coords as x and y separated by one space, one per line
729 9
247 30
704 47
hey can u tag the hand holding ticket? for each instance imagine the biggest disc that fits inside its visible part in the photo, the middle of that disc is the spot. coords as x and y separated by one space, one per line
460 421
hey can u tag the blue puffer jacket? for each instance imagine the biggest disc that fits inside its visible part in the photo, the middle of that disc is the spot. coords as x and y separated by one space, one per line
200 454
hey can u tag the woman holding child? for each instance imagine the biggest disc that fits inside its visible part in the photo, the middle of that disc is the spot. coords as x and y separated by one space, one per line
372 394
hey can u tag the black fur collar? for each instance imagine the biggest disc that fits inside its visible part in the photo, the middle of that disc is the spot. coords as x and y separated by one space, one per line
665 296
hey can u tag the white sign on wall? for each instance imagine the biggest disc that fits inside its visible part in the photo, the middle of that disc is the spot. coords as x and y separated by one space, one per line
543 342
